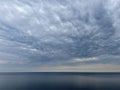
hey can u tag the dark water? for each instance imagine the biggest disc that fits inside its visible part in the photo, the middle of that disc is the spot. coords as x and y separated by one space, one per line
60 81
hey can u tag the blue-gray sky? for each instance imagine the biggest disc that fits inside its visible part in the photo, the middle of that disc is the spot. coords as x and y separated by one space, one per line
58 35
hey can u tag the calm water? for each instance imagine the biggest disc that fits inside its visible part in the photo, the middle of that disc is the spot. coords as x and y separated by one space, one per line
60 81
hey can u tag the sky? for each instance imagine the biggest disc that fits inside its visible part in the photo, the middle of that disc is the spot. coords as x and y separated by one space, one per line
59 35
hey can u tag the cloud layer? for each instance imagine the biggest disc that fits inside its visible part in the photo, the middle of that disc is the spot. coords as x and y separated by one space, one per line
59 32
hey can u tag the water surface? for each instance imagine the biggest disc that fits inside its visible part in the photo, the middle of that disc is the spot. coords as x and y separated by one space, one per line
59 81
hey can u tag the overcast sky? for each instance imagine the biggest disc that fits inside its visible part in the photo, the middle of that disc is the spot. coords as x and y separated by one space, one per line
60 35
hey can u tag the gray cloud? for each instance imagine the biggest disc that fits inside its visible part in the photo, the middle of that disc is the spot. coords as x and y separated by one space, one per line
57 32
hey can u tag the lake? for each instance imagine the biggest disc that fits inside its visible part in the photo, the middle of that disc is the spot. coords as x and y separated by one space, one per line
59 81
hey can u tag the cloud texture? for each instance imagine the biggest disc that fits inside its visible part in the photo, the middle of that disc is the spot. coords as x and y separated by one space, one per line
59 32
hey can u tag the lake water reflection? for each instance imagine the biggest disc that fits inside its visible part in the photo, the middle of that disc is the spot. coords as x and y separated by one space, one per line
60 81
